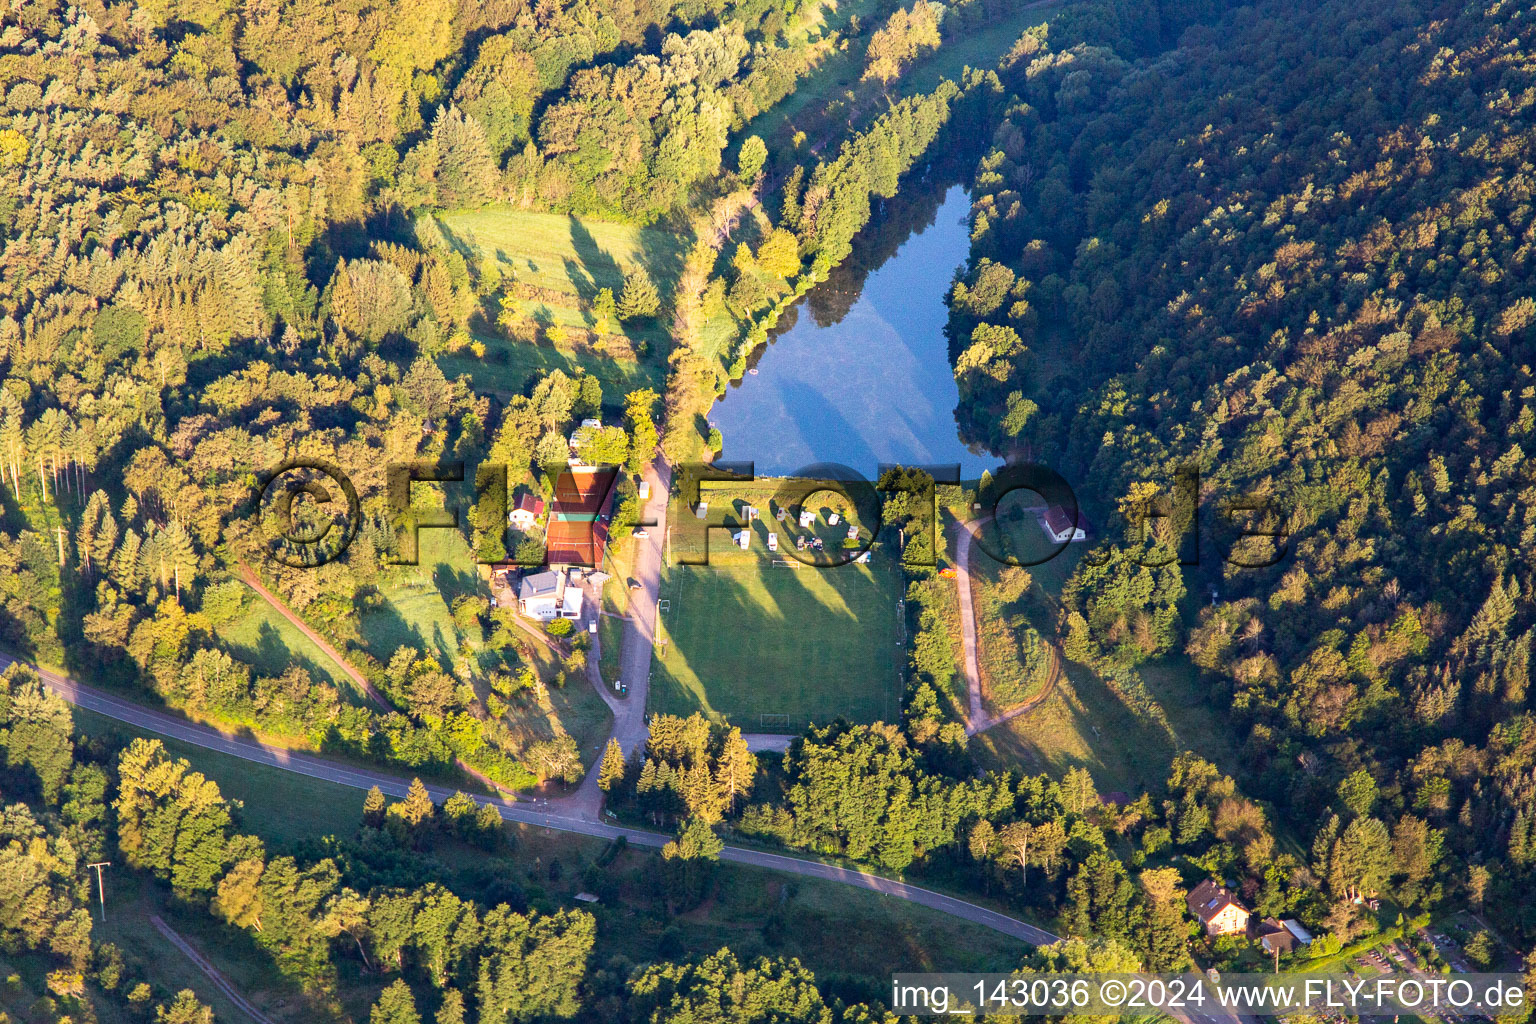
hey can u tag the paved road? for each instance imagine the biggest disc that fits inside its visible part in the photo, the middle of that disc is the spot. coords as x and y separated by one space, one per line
640 628
526 813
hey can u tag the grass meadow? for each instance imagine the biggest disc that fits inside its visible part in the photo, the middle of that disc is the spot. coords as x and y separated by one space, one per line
569 259
263 638
770 649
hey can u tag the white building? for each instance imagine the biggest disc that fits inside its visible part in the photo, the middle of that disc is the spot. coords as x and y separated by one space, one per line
539 595
525 515
1059 526
571 602
549 595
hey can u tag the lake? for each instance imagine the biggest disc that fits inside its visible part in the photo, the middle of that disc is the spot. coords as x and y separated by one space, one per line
858 372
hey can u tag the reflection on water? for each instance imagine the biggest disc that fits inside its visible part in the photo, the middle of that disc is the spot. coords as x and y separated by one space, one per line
865 377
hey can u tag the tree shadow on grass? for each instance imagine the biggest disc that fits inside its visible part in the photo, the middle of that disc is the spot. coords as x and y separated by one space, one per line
594 268
761 649
273 655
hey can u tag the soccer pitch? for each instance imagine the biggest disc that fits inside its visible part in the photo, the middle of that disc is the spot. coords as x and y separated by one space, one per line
770 649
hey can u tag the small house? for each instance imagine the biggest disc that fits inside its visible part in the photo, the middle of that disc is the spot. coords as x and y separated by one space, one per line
525 514
645 490
1061 527
833 519
1218 908
773 542
538 596
743 538
807 517
1275 938
750 512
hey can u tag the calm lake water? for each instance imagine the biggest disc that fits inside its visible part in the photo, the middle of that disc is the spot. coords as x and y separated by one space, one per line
861 374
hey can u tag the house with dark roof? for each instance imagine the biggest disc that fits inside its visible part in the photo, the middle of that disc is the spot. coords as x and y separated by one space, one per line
525 514
1218 909
1061 527
1275 938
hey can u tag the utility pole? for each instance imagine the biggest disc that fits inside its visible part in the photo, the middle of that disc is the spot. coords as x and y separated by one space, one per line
101 890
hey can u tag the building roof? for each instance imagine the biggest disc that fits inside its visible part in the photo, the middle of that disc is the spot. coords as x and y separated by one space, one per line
1060 521
530 503
579 515
1296 928
1210 898
1275 936
543 584
576 542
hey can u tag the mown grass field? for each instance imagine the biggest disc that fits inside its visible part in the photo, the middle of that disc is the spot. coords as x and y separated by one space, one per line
417 600
1083 723
1013 670
574 255
569 260
509 367
752 641
262 637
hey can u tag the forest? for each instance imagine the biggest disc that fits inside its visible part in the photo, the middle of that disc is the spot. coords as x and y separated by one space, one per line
1295 259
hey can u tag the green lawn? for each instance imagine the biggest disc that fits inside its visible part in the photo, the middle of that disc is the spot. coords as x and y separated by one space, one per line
508 367
576 255
1082 724
809 644
417 599
568 260
262 637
